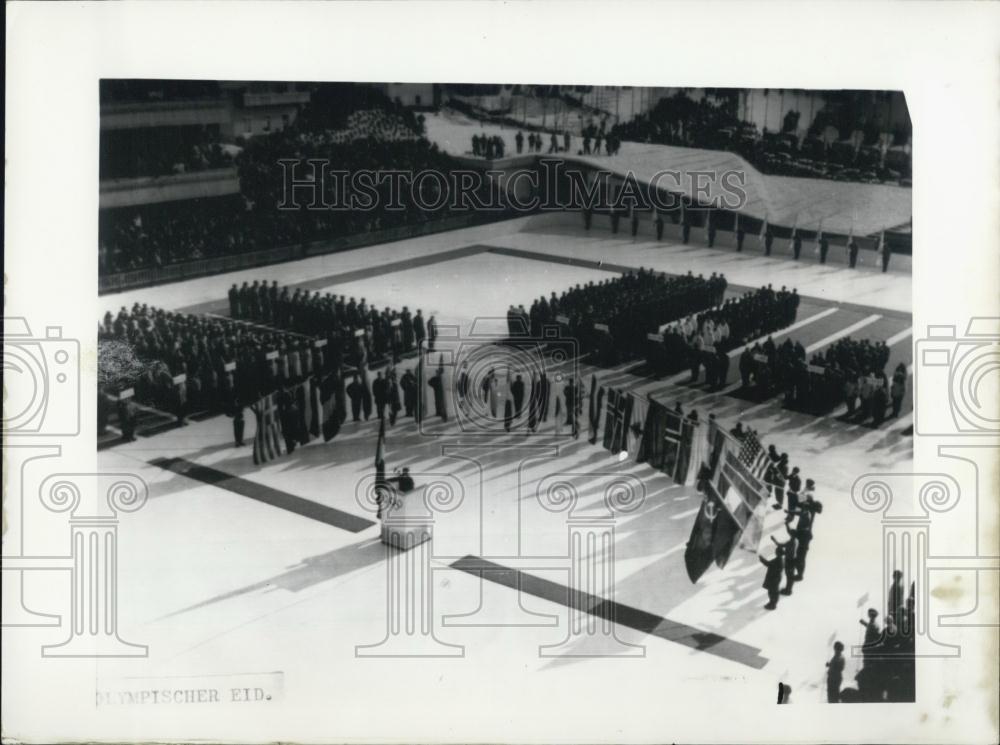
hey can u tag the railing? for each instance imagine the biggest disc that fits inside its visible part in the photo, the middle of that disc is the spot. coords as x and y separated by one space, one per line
221 264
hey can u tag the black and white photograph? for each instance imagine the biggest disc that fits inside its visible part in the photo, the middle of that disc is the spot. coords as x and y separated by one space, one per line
496 411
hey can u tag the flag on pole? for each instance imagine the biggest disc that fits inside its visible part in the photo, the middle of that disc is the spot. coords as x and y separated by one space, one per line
819 235
267 440
763 232
735 500
708 226
795 230
850 237
736 223
640 409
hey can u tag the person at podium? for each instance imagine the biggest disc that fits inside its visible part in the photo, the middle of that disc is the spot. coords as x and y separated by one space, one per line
403 480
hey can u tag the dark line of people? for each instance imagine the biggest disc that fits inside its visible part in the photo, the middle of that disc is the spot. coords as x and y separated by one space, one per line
705 339
629 307
363 330
849 372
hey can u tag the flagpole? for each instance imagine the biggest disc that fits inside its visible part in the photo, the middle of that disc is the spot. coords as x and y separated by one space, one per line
420 380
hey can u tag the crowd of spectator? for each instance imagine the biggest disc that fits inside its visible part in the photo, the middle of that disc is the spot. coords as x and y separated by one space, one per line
888 672
370 139
625 309
679 120
705 339
162 151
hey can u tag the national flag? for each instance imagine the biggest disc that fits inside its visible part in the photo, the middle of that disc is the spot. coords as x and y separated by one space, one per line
795 230
618 416
753 456
881 243
315 407
594 415
708 225
330 390
850 237
699 452
303 402
763 232
698 552
267 439
819 235
717 439
677 434
640 408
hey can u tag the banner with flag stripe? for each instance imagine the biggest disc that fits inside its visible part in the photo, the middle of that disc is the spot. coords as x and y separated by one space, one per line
640 409
735 504
267 439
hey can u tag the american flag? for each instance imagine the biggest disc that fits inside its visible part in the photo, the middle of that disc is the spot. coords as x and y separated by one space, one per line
743 471
753 455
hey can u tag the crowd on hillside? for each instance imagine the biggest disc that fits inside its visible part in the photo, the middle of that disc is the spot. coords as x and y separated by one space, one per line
682 121
625 309
705 339
887 671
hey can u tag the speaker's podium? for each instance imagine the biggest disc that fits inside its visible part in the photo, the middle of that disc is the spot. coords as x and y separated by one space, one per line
406 520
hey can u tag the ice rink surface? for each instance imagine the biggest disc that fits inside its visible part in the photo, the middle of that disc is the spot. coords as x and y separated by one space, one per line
214 581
